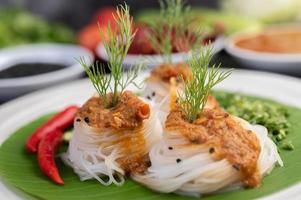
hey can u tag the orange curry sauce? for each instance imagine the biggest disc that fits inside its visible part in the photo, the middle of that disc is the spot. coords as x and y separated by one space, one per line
282 41
225 137
125 120
166 72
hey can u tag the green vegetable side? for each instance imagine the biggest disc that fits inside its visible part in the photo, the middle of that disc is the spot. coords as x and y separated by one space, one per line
20 27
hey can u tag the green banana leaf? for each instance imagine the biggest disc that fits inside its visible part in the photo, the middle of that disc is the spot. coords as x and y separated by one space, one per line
20 169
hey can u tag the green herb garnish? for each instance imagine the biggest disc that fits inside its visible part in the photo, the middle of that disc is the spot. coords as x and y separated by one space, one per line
197 90
116 46
171 29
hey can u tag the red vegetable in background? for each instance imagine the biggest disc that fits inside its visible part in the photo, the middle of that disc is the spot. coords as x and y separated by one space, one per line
104 16
89 35
141 44
60 121
46 152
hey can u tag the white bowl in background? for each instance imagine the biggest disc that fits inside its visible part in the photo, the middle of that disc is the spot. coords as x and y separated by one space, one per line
41 53
275 62
155 60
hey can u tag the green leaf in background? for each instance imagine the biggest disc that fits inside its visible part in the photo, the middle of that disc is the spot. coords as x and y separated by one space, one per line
271 11
208 18
18 26
20 170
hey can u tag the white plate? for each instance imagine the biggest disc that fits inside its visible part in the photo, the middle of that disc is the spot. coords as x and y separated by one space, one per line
276 62
19 112
65 54
155 60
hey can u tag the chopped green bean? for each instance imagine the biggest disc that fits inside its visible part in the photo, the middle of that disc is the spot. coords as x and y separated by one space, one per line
67 136
288 146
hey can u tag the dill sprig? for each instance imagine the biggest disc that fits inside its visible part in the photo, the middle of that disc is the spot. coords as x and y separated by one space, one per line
196 91
172 29
117 45
99 79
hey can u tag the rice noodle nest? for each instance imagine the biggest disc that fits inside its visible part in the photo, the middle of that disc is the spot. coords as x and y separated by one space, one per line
92 154
198 173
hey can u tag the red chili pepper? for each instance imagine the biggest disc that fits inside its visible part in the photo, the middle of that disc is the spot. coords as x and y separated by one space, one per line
46 152
60 121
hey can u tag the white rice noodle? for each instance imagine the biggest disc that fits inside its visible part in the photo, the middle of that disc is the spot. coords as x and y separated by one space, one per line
198 173
163 96
160 93
93 154
159 88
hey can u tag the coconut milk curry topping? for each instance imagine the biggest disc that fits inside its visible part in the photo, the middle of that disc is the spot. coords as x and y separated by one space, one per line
125 120
228 138
166 72
129 113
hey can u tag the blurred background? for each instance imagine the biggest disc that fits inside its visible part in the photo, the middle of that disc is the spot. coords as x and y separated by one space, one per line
77 14
75 22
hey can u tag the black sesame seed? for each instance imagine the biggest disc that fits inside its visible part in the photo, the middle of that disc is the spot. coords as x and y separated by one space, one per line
78 120
154 94
194 141
87 119
148 97
211 150
236 166
170 148
178 160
